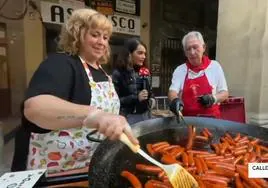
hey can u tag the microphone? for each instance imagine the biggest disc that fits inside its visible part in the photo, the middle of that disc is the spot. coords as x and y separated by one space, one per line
144 73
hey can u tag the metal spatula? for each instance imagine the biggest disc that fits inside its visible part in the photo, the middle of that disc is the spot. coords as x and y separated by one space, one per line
178 176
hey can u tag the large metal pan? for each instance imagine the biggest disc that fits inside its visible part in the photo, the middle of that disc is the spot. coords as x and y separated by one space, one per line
111 158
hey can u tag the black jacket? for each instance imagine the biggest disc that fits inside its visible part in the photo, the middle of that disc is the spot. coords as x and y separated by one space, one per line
128 84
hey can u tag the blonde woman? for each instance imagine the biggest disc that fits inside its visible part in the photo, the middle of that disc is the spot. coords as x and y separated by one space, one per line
69 96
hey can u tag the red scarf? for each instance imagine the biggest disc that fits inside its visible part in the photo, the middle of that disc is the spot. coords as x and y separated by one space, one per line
205 63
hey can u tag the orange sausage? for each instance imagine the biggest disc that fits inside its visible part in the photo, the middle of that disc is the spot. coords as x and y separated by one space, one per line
159 144
185 159
191 159
238 159
135 182
238 182
198 165
159 148
258 150
240 152
191 137
201 138
168 159
150 149
208 132
176 152
156 184
243 174
204 133
237 137
255 141
216 148
204 165
148 168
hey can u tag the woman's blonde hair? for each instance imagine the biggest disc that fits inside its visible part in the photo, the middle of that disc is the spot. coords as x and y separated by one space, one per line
83 19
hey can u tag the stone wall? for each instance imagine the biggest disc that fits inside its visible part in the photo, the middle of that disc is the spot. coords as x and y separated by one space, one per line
242 50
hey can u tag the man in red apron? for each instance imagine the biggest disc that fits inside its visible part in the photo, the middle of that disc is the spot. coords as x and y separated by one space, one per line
199 85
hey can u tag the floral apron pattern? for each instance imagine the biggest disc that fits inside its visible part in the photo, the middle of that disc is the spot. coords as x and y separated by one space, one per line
69 149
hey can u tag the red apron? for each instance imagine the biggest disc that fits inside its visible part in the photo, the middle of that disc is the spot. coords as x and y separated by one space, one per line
192 89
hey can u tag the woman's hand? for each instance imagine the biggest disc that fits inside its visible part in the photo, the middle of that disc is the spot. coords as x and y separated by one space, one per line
143 95
111 125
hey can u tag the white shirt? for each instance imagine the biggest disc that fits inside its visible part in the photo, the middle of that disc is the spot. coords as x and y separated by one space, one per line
214 73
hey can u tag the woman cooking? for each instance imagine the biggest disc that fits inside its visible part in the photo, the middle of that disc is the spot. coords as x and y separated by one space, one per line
198 85
132 85
69 96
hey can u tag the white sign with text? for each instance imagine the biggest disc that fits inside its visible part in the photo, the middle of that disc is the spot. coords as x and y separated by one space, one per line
58 11
125 24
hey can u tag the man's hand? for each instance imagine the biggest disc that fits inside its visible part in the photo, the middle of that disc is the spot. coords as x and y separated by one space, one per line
207 100
176 105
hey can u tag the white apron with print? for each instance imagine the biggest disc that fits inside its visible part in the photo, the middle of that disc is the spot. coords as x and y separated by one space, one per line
69 149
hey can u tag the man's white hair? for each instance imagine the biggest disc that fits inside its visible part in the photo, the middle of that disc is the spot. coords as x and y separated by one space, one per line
195 34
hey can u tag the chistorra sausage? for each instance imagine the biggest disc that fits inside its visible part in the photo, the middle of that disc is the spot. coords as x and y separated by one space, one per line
148 168
156 184
135 182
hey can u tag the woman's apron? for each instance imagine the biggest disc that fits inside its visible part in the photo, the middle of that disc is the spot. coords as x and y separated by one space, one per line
69 149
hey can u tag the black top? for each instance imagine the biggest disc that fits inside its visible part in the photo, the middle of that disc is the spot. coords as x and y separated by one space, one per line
60 75
128 84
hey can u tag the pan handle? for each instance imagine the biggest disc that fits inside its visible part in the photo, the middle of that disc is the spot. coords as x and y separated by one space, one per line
92 139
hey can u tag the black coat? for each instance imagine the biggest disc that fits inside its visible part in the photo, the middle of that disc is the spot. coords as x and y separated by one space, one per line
128 84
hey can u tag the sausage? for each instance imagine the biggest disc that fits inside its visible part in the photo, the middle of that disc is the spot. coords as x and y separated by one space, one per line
205 134
204 165
208 132
176 152
156 184
191 137
211 176
201 138
240 152
135 182
191 159
250 148
206 155
198 165
225 166
238 159
159 144
167 149
150 149
241 147
263 148
159 148
214 180
185 159
198 152
237 137
243 174
238 182
258 150
224 147
214 158
252 157
148 168
224 172
216 148
161 175
261 182
246 159
168 159
255 141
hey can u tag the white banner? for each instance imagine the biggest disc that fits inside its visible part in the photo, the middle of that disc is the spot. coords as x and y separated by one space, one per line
258 170
125 24
58 11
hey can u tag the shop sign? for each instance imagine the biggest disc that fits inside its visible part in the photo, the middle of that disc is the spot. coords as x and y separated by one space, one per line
58 11
125 24
103 6
126 6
